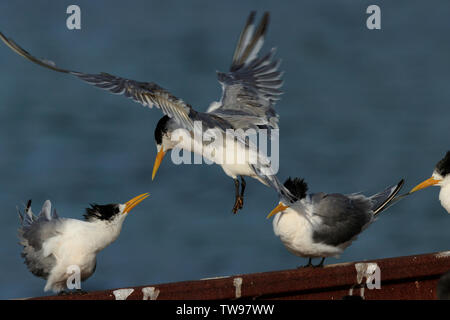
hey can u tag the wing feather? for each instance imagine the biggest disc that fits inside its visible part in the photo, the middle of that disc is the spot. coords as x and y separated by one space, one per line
145 93
251 87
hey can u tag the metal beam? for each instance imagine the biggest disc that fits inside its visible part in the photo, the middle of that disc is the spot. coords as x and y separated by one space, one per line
412 277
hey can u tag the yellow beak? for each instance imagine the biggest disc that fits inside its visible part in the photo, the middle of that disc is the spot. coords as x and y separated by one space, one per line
134 202
158 160
280 207
425 184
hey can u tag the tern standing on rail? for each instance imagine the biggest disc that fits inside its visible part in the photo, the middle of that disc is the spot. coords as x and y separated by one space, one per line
320 225
52 245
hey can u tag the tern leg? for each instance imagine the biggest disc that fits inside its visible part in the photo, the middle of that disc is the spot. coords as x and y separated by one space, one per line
309 264
243 184
236 206
320 265
80 292
72 293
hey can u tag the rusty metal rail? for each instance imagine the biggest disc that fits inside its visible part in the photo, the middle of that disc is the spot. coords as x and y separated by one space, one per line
412 277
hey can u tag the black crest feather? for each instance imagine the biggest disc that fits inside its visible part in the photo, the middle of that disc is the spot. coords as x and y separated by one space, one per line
297 187
161 128
443 166
101 212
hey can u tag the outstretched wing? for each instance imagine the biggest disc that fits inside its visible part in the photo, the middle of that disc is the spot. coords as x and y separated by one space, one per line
145 93
251 87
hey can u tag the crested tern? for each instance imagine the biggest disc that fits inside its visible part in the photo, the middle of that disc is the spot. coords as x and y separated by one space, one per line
320 225
249 92
441 178
53 245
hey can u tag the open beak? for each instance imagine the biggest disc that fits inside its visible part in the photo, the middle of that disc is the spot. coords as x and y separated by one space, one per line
280 207
425 184
134 202
158 160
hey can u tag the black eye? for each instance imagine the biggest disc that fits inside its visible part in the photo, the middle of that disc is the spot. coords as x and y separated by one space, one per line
116 210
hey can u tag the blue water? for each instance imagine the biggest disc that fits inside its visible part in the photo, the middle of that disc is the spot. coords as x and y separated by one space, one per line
361 110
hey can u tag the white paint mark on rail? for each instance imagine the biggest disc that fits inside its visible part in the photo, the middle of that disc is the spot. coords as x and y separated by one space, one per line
122 294
237 283
150 293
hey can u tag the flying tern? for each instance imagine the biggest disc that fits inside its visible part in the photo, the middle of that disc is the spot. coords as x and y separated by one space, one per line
53 245
320 225
249 92
441 178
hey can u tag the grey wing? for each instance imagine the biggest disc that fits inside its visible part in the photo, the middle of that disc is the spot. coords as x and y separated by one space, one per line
26 218
251 87
40 231
145 93
33 233
342 217
32 240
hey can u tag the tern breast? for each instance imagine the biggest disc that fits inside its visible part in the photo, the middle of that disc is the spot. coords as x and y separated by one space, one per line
444 197
295 230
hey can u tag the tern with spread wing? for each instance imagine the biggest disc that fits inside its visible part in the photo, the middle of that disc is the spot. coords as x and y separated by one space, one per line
441 178
320 225
53 245
250 90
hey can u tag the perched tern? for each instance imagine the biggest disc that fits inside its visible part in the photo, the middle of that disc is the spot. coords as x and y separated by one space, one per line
441 178
249 92
320 225
53 245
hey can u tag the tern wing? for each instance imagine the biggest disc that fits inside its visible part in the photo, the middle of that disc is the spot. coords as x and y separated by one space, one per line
342 217
33 233
251 87
145 93
26 218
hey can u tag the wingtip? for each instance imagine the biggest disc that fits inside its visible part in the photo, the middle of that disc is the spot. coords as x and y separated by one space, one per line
28 205
266 18
251 17
401 183
263 25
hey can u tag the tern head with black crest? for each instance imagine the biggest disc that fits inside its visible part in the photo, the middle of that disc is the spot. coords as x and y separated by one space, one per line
441 178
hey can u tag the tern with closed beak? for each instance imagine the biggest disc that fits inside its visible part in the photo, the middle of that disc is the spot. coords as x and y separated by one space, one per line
320 225
249 92
441 178
53 245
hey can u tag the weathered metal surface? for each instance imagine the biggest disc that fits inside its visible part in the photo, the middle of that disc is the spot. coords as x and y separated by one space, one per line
412 277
